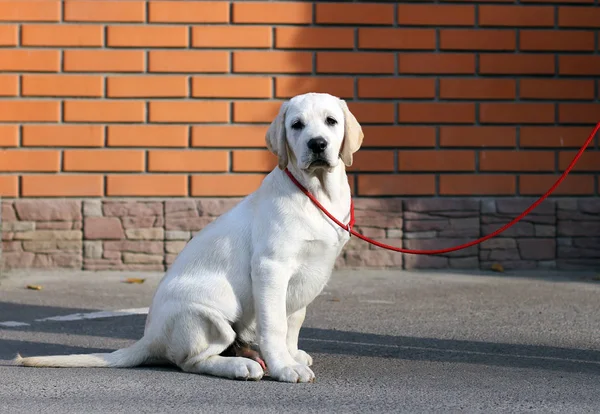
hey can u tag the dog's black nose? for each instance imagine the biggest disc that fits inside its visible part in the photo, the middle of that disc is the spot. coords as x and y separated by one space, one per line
317 145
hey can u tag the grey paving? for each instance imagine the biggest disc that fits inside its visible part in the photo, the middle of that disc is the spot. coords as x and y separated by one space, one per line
383 341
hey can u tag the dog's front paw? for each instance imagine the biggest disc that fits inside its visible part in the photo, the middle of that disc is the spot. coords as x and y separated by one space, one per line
293 373
303 358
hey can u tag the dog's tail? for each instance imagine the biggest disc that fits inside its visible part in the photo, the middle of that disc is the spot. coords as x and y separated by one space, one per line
132 356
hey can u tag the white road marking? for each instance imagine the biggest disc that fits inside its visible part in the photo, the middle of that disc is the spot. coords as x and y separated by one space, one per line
81 316
11 324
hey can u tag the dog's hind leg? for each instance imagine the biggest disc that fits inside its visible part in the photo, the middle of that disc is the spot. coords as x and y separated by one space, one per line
197 341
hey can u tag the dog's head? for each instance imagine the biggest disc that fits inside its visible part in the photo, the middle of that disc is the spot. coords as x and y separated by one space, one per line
316 129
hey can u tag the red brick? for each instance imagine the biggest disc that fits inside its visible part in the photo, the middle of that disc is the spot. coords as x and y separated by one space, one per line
272 62
396 184
537 184
557 1
146 86
396 88
482 39
554 40
21 60
436 15
516 160
398 136
231 36
436 63
30 10
355 62
579 65
29 160
516 16
187 161
229 136
103 61
9 135
174 61
147 36
477 136
253 161
480 184
516 64
29 111
556 89
231 87
367 112
456 88
104 11
249 111
103 111
272 12
436 112
9 35
62 185
63 135
103 160
57 35
400 39
574 113
436 160
553 136
189 111
9 186
569 16
62 85
147 136
225 185
339 13
589 161
149 185
375 161
516 113
314 38
188 12
289 86
9 85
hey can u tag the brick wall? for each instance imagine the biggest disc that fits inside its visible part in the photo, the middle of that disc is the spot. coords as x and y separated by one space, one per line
111 99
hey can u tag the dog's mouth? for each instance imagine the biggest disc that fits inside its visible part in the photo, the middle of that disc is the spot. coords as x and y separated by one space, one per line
318 163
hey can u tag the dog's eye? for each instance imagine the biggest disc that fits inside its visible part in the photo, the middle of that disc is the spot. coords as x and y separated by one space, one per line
330 121
297 125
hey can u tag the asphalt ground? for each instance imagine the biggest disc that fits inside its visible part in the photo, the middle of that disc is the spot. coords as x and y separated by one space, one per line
382 341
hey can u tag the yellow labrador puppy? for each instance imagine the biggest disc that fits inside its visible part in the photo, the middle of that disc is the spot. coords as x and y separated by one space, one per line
248 276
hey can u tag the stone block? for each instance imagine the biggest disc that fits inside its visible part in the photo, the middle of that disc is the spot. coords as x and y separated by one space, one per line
11 246
139 222
544 230
390 242
154 233
49 235
54 225
18 226
499 255
587 242
570 252
578 228
57 260
537 249
514 206
216 206
416 261
92 249
170 258
371 232
521 229
48 210
429 205
488 207
185 207
135 246
434 244
498 243
17 260
192 224
589 206
101 264
567 204
379 204
8 212
132 208
420 235
175 246
374 259
463 262
115 255
92 208
129 258
425 225
394 233
177 235
103 228
7 235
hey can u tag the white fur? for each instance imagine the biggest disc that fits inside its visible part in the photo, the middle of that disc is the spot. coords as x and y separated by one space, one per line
252 272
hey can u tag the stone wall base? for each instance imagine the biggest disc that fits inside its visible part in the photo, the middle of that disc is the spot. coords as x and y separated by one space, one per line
126 234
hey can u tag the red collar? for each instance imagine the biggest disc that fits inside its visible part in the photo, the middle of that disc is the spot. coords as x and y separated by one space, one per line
316 202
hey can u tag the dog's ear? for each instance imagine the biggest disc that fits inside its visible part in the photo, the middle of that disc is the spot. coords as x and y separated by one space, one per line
353 135
276 137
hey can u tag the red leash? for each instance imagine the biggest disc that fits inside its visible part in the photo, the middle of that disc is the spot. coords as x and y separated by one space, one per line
349 226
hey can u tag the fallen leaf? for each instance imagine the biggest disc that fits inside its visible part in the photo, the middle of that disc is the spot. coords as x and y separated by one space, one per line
134 280
497 267
334 300
34 287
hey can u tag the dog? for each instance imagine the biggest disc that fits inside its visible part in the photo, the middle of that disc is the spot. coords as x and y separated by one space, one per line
235 297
